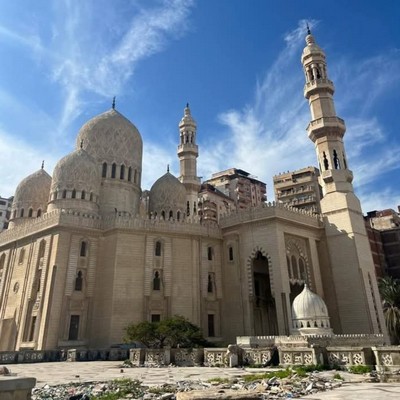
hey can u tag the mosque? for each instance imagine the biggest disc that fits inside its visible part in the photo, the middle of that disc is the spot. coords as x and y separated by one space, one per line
87 252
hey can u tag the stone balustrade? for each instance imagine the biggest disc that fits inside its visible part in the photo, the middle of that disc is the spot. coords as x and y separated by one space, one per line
387 358
349 356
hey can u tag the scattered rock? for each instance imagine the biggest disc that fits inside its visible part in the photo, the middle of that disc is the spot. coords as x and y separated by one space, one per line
4 371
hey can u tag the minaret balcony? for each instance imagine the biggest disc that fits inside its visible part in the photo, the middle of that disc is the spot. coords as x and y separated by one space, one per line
318 85
326 126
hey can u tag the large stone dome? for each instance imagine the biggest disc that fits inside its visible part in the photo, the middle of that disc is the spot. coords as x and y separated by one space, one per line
77 170
310 314
168 197
31 195
112 138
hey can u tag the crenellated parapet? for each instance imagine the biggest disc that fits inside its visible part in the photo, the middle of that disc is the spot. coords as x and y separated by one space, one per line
272 210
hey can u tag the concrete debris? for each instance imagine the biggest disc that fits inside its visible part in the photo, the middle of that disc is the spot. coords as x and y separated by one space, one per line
237 389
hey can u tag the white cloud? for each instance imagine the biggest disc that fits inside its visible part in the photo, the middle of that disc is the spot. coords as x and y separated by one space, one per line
268 136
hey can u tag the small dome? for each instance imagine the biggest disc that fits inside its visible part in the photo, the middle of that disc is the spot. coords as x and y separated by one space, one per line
167 195
312 48
77 170
31 194
309 313
110 137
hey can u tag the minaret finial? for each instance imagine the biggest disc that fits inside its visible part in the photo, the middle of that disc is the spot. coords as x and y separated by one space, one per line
113 103
187 105
167 167
43 164
82 144
308 30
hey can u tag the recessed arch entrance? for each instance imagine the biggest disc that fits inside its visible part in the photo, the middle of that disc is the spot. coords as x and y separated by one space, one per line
261 292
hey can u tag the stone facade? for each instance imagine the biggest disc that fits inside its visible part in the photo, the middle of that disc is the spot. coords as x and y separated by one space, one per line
81 267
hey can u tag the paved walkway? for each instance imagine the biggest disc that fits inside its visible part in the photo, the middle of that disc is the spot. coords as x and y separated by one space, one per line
65 372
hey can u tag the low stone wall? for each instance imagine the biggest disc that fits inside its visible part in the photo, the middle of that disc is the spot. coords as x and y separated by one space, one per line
15 388
349 356
387 358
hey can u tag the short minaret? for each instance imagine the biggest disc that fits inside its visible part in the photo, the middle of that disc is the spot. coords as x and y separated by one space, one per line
353 295
188 152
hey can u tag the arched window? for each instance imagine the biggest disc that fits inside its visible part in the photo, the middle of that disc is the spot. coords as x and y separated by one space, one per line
113 170
294 268
171 214
73 196
156 281
30 212
83 195
209 253
79 281
122 172
21 214
64 194
163 214
157 250
104 171
344 162
83 251
130 174
91 197
336 160
178 215
210 284
39 213
302 269
230 251
135 177
326 162
21 256
188 208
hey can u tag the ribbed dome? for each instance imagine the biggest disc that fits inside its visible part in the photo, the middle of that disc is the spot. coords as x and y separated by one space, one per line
309 312
312 47
167 194
77 170
31 193
110 137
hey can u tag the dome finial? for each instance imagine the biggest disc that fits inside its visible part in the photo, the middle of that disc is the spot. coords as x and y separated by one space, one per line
167 167
308 29
42 164
113 103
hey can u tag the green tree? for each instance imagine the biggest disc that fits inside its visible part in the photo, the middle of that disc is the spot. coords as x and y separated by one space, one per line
389 289
176 331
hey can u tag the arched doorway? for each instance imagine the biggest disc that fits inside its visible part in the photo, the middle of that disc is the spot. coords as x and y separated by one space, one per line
264 310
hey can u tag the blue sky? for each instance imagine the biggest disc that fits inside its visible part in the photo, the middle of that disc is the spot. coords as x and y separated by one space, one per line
236 62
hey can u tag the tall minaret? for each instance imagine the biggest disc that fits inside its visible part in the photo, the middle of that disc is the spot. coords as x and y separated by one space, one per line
353 295
188 152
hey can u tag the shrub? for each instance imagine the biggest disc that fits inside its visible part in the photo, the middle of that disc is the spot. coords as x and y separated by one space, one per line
360 369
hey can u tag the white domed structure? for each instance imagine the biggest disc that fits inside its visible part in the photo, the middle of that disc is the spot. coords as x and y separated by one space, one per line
75 183
117 147
168 198
310 314
31 197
